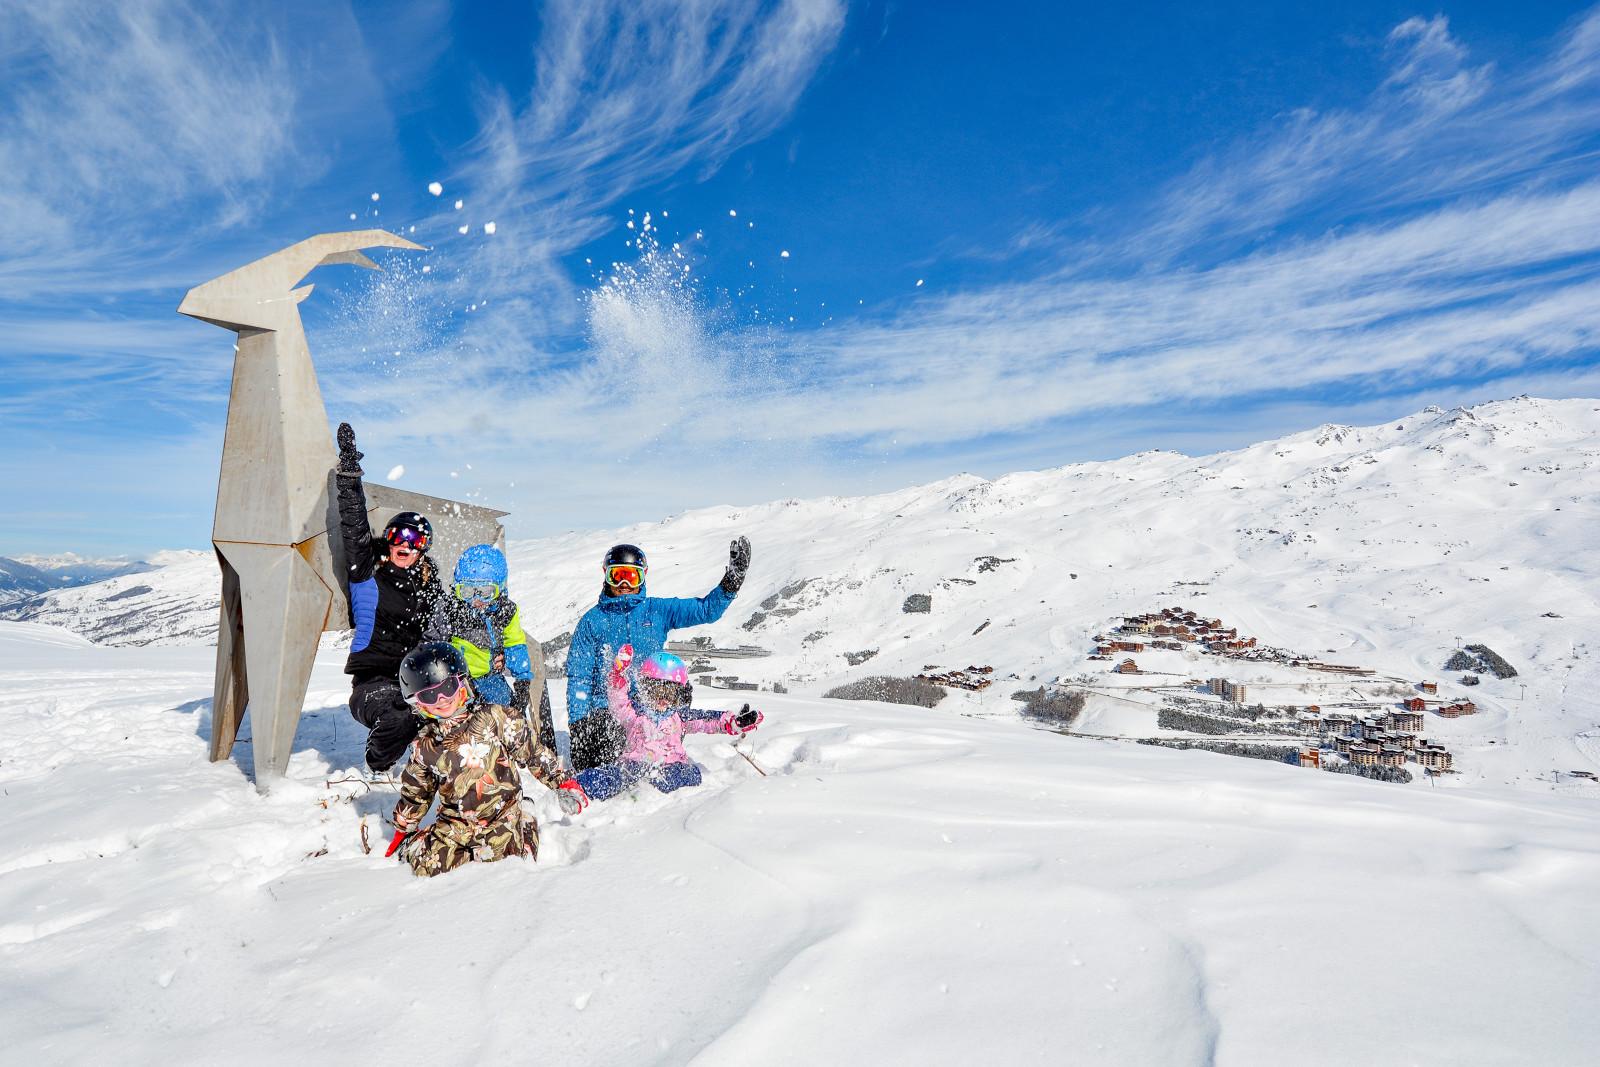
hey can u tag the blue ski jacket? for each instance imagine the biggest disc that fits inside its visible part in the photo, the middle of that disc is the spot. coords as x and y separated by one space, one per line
638 620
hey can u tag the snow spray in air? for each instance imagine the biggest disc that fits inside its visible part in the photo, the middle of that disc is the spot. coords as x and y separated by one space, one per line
652 325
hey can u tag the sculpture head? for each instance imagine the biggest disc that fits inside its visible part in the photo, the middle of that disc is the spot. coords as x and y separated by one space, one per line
262 295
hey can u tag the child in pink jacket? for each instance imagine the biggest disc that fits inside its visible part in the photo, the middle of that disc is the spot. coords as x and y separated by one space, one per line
654 725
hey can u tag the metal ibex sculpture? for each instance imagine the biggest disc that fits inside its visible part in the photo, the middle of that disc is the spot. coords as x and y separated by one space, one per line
282 575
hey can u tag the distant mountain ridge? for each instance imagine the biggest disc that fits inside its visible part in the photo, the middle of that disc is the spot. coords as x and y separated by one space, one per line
26 576
107 600
19 580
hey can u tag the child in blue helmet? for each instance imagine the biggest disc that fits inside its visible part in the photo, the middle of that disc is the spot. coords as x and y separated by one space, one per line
481 620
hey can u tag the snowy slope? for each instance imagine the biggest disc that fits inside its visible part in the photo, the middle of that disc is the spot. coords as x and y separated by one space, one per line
907 886
1379 546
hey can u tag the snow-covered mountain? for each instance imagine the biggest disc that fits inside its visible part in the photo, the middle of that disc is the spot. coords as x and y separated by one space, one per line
19 581
1383 546
173 600
27 576
69 568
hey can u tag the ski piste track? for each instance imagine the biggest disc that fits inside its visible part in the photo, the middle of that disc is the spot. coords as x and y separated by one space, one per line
906 885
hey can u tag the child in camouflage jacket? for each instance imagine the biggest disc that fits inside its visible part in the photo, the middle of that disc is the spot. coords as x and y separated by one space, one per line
468 755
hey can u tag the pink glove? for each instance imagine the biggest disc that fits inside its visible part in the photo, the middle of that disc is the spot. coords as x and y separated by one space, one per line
624 658
742 722
572 797
399 836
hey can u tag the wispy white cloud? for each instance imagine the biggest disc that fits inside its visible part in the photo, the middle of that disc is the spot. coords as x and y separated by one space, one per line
1438 126
114 109
1463 246
626 93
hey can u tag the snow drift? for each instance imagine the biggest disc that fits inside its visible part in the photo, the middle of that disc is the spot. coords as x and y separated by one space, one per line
906 886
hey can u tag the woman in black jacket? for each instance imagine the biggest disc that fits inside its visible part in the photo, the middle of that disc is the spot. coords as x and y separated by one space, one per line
393 590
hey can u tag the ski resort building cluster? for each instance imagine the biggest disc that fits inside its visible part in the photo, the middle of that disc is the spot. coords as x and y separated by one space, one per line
1359 730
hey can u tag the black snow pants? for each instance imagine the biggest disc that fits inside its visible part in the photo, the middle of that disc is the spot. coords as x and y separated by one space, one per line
597 739
376 703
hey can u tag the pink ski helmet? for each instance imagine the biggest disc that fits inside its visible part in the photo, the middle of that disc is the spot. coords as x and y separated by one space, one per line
665 667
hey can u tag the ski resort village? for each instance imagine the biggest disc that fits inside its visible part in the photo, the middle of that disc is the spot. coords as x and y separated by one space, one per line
1315 714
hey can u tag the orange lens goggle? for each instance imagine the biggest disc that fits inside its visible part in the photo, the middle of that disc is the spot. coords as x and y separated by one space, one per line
625 574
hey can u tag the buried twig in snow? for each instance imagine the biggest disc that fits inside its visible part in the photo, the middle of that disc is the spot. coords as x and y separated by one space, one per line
748 760
366 848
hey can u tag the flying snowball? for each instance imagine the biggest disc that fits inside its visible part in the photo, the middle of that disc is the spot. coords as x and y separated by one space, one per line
784 254
459 203
488 227
732 214
919 283
435 188
396 472
374 196
463 229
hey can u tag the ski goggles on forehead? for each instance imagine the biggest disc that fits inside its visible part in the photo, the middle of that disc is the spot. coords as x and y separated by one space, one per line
625 574
407 535
437 693
477 591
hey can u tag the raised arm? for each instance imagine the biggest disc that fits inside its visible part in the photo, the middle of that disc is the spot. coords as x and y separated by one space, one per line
359 556
681 612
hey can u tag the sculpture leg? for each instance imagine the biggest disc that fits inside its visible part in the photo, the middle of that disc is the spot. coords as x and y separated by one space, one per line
285 607
232 691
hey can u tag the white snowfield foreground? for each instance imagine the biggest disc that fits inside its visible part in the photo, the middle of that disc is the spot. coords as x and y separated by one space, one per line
907 886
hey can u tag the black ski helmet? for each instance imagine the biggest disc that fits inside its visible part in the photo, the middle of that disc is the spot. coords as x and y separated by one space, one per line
410 520
625 554
429 664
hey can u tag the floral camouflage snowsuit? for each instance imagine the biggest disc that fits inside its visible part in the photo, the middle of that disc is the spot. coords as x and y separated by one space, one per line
471 766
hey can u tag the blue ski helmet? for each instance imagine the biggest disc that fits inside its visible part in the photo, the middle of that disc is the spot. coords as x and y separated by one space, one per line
481 565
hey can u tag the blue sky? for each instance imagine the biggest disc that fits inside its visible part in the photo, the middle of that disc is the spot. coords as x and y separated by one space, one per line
1016 237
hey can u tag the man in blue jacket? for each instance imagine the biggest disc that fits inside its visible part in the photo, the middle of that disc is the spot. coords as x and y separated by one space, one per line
625 616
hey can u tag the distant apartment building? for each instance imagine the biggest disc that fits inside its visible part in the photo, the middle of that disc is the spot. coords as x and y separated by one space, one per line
1404 720
1455 711
1434 757
1226 690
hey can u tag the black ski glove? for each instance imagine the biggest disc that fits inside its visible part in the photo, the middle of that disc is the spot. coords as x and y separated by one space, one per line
738 563
349 458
